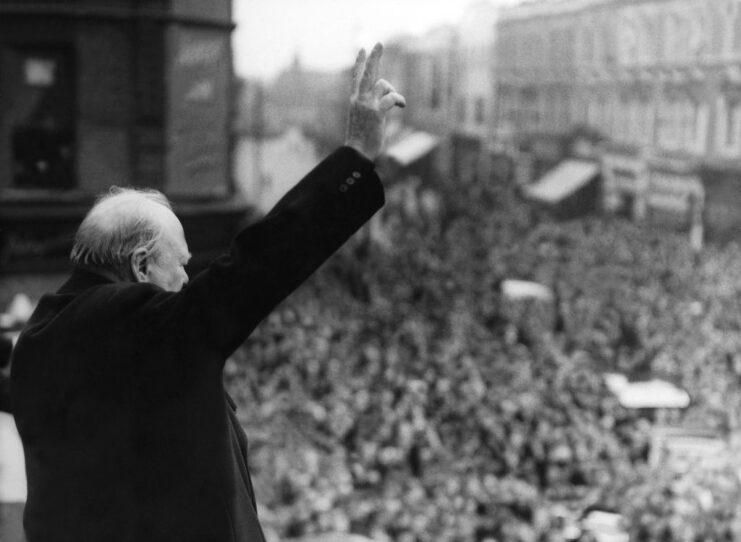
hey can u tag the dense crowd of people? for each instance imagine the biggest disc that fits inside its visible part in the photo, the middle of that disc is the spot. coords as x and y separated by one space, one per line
400 395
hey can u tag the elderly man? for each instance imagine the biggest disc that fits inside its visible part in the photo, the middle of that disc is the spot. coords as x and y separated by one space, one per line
117 379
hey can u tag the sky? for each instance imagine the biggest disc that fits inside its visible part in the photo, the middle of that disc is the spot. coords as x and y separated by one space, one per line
326 34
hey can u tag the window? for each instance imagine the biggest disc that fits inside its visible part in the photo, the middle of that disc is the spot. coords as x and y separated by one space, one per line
479 108
615 113
593 113
437 84
39 127
698 144
729 16
543 111
529 107
647 124
676 115
578 110
588 46
503 106
462 110
728 124
736 29
713 30
731 112
697 40
603 116
631 121
669 128
670 42
627 42
563 110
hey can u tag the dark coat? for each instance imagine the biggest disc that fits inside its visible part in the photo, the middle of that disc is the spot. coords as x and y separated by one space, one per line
6 347
117 387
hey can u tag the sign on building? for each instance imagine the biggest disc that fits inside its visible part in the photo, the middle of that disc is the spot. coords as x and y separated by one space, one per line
674 191
625 182
200 71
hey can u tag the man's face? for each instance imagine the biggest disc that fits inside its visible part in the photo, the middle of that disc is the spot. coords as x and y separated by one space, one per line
166 268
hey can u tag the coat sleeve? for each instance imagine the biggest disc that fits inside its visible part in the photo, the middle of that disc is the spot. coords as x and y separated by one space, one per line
272 257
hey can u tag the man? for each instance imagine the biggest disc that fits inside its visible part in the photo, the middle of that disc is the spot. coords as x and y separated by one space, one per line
6 347
117 379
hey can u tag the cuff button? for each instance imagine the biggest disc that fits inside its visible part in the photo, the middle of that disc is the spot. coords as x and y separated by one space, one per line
356 174
350 181
343 188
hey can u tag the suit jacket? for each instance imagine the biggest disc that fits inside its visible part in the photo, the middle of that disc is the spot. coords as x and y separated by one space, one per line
117 387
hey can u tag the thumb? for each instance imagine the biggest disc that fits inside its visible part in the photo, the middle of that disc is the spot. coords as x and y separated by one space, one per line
390 100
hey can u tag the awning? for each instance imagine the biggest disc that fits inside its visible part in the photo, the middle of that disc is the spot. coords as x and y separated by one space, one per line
523 289
562 181
605 526
411 148
646 394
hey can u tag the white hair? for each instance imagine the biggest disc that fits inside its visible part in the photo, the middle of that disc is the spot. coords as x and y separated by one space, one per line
120 222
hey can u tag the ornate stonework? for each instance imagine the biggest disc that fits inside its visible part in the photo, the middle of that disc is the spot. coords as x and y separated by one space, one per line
675 61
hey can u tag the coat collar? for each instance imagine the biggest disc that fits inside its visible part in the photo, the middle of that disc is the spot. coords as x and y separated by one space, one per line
82 279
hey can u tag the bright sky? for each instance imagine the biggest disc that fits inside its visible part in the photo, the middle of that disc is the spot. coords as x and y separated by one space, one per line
327 34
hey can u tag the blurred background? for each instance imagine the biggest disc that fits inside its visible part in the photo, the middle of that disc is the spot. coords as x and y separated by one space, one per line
537 339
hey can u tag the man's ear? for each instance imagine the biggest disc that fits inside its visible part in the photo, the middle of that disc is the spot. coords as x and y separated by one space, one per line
140 265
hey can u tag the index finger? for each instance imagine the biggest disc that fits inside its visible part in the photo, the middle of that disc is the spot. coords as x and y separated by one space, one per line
356 70
371 69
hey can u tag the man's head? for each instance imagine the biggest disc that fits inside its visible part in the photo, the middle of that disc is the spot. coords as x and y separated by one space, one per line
133 235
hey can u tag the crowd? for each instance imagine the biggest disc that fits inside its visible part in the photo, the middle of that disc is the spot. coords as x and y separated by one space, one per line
399 395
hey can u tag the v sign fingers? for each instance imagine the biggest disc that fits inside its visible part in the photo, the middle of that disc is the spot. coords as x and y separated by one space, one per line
357 72
371 99
390 100
371 69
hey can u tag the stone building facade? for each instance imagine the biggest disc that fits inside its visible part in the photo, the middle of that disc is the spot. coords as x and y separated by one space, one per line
124 92
658 80
423 68
658 73
474 92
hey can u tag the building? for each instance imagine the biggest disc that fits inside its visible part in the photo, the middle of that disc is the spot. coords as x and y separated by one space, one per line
431 68
659 80
423 69
124 92
266 166
314 101
474 92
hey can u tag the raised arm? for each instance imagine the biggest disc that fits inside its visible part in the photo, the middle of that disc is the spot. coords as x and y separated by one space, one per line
272 257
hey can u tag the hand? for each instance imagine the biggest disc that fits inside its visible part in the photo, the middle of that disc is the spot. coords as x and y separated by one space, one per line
370 100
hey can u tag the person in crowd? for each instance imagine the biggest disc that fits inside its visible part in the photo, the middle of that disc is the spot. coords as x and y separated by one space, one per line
117 384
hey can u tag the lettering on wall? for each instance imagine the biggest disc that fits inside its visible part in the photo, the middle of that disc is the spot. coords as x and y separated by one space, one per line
199 108
40 72
195 57
199 51
673 191
622 173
